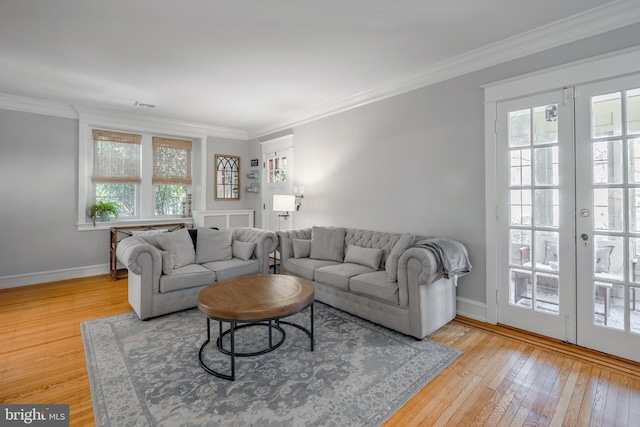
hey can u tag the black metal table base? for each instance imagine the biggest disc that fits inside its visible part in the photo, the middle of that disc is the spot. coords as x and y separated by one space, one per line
272 324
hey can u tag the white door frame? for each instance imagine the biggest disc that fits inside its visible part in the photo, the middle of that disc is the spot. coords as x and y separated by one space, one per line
575 73
283 143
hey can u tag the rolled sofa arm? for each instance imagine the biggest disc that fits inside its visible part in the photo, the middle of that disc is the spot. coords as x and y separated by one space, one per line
266 242
417 266
129 251
285 243
430 296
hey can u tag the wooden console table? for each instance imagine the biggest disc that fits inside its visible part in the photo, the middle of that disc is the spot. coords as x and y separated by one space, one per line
119 233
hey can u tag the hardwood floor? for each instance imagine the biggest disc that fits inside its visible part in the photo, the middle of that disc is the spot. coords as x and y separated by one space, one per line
504 378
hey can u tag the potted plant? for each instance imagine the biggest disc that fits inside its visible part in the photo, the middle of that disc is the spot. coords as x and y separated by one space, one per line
103 209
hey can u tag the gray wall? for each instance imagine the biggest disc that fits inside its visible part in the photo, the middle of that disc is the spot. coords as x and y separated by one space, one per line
38 197
415 162
230 147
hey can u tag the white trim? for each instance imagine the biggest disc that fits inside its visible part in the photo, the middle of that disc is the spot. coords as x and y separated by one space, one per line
491 212
142 123
36 106
590 23
52 276
277 144
137 121
585 71
471 309
88 226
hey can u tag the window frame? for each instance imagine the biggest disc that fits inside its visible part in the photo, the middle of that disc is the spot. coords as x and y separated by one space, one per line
145 191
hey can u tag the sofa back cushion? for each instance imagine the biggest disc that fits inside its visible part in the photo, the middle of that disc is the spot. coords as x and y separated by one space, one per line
391 244
327 243
180 245
213 245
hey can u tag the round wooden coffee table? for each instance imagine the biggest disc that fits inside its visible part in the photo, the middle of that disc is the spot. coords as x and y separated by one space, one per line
261 300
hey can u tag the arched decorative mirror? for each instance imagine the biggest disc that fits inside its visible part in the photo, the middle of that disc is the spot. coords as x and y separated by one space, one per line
227 179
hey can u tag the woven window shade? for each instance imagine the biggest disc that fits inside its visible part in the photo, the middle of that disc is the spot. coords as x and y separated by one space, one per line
116 157
171 161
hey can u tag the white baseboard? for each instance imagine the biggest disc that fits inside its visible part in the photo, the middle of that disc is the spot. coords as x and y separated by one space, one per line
52 276
472 309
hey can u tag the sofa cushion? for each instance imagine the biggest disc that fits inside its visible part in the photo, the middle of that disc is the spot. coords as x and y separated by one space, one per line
150 236
185 277
369 257
243 250
213 245
301 248
233 268
180 244
305 267
168 261
402 245
327 243
375 285
338 275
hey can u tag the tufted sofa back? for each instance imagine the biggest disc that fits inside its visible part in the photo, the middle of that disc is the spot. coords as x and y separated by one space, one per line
372 239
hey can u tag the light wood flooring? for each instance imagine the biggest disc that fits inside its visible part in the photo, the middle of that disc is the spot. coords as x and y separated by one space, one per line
504 378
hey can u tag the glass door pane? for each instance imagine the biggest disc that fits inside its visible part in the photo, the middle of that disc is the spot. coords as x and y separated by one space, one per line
537 150
608 197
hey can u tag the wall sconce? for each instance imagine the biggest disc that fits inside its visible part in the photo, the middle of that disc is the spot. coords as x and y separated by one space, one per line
284 203
299 196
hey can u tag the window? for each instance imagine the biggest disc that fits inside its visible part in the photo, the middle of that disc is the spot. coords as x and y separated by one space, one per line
116 168
171 174
149 176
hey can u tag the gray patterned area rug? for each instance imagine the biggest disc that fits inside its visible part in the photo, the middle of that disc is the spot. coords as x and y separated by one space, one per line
148 373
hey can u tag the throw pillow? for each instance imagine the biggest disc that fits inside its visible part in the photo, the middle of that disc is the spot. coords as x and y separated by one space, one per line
179 243
391 266
243 250
603 259
327 243
168 262
369 257
213 245
301 248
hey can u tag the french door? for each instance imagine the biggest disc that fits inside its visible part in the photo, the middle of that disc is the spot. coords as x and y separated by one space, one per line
569 230
608 216
536 287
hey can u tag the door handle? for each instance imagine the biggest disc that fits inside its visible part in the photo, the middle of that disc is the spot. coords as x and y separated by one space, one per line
585 239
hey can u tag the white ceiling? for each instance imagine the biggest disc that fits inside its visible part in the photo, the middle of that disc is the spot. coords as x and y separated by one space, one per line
254 65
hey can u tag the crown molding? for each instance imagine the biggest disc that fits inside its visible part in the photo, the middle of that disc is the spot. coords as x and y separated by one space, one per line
152 123
37 106
94 114
590 23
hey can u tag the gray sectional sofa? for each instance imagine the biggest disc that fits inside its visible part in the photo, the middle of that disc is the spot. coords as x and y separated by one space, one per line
168 269
382 277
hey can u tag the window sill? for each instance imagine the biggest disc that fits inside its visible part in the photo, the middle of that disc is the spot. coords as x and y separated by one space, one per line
89 226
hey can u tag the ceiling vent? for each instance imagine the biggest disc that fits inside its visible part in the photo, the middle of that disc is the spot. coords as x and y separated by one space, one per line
143 105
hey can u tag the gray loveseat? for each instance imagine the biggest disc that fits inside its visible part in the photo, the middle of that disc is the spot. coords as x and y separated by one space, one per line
381 277
167 270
